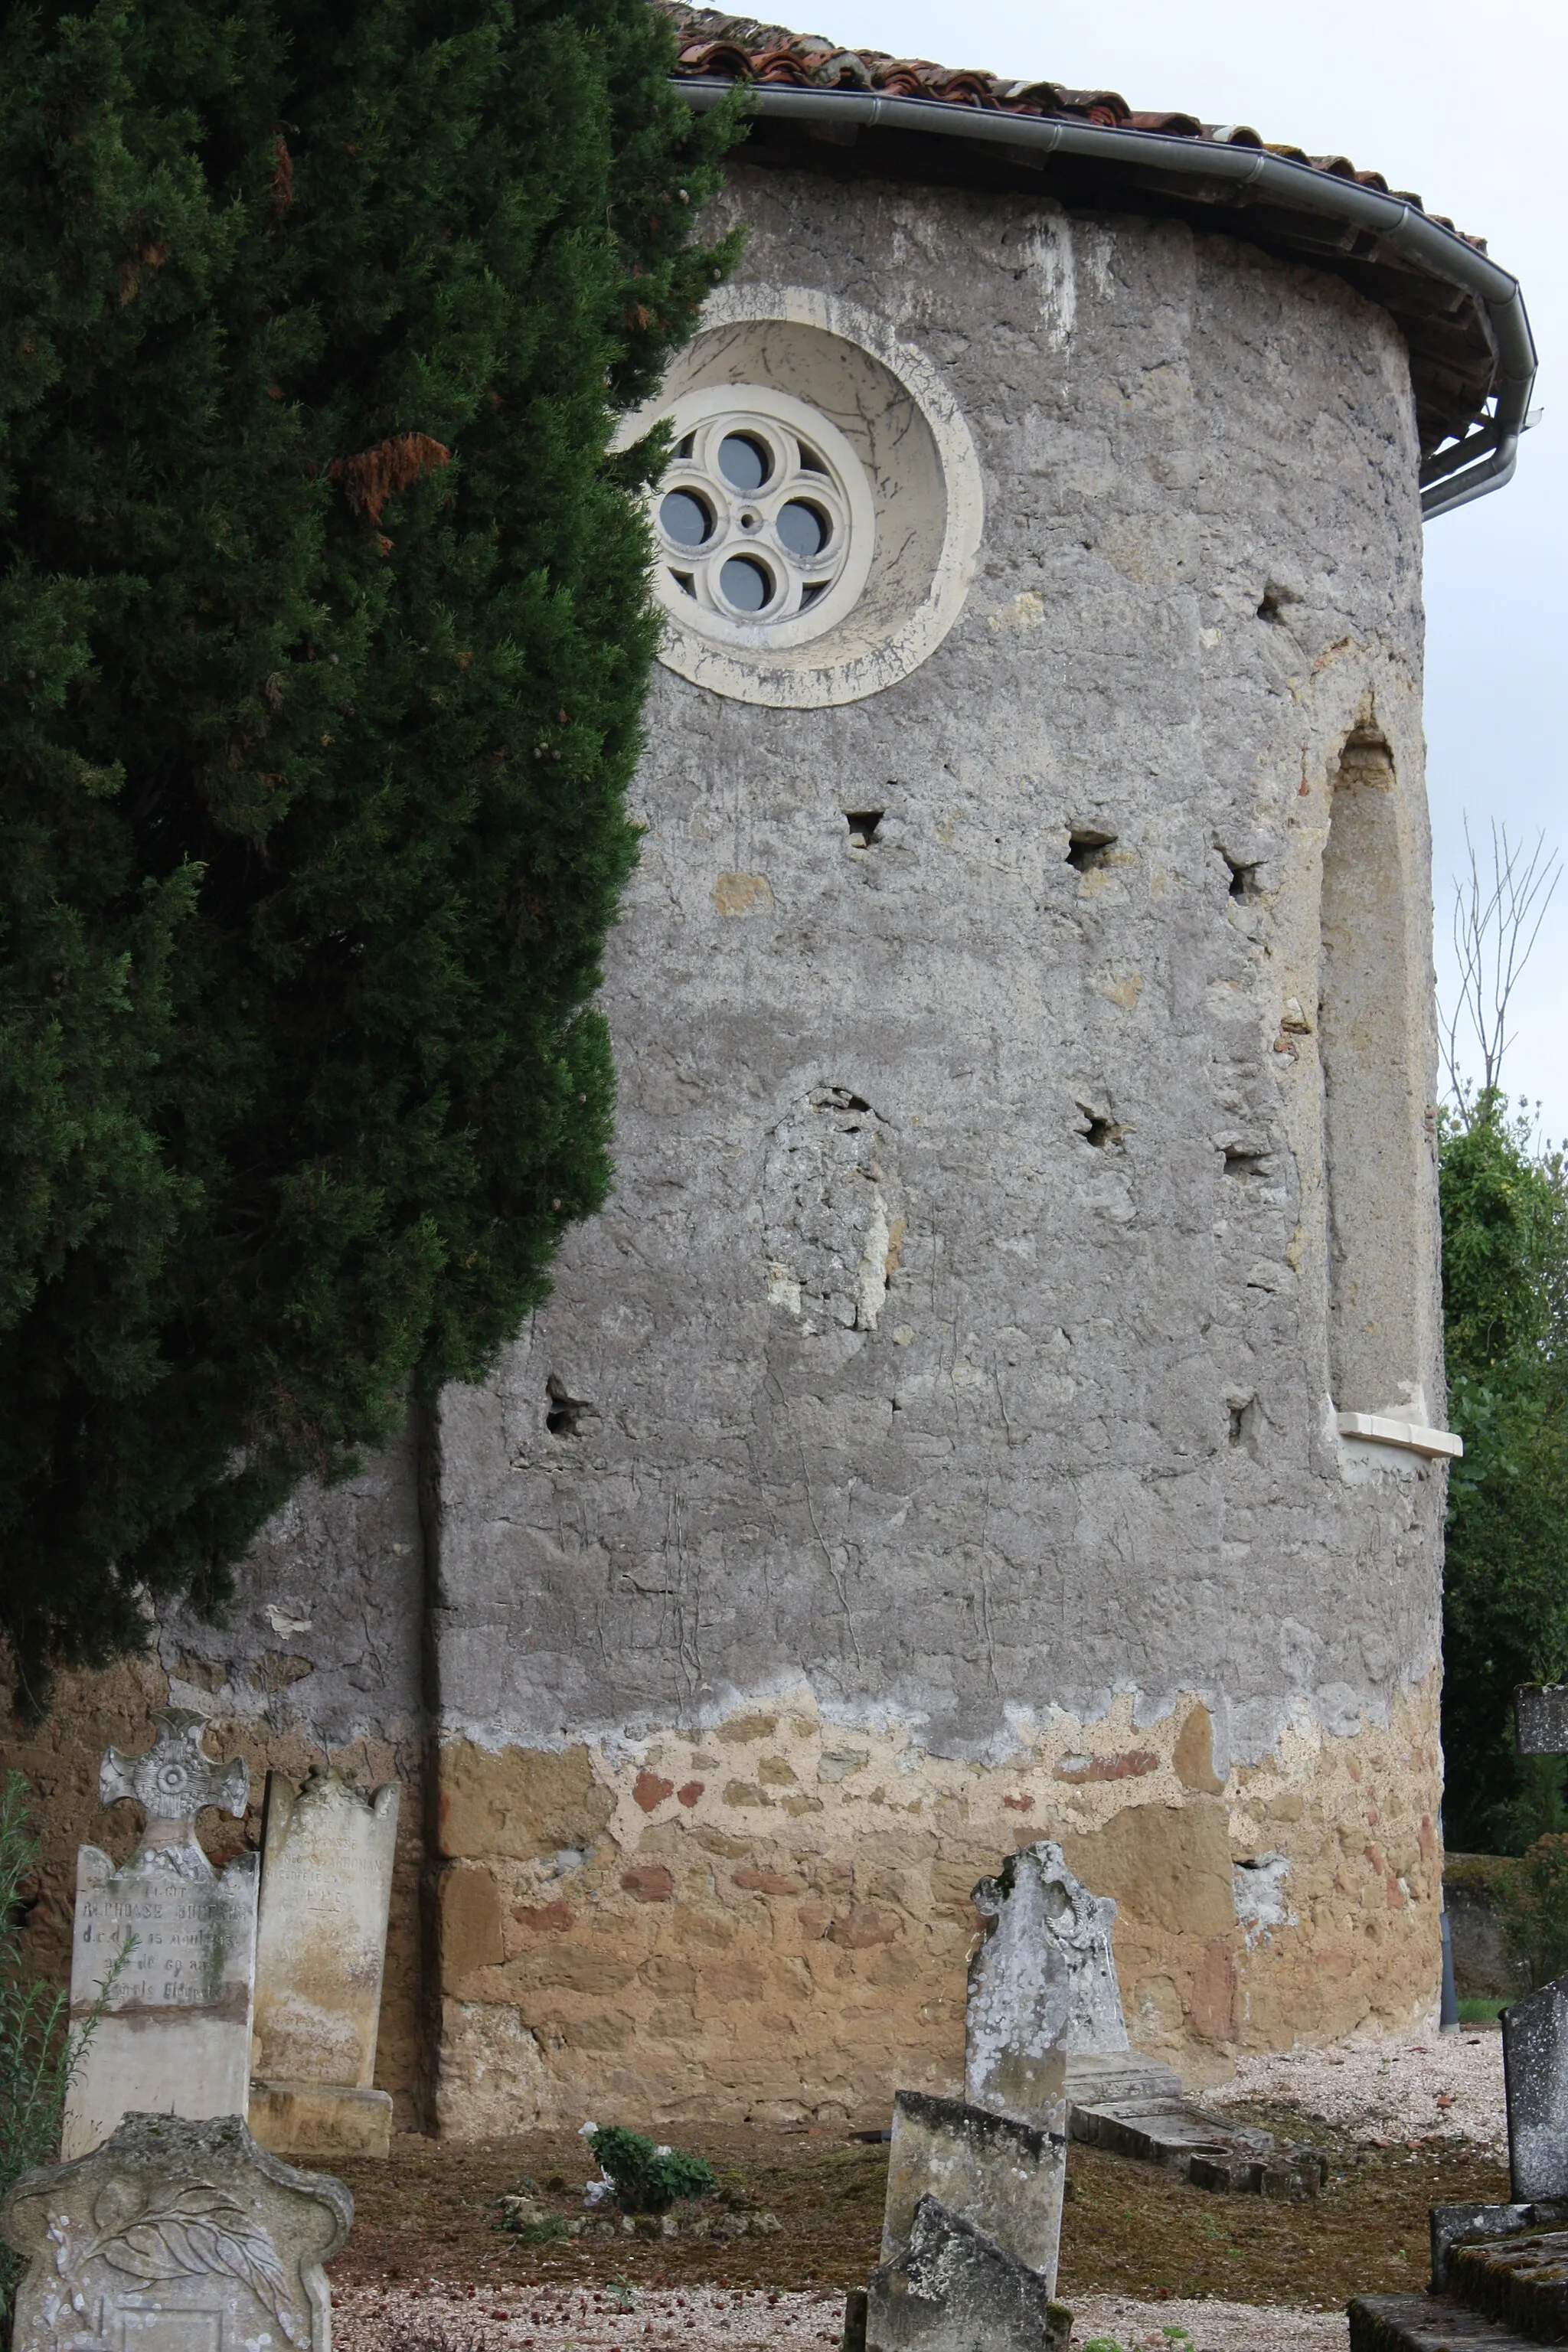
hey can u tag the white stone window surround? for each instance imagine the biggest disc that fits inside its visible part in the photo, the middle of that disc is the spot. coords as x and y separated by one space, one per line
895 407
809 466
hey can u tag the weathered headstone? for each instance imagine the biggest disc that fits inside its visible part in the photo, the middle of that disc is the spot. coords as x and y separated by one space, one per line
1043 1995
175 2032
1004 2178
1021 1991
1047 2041
326 1886
174 2236
952 2289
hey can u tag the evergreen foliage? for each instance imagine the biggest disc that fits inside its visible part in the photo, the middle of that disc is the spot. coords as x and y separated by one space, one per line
323 635
1505 1292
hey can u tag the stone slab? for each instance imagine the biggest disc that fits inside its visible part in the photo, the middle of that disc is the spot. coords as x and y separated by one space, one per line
1540 1718
1004 2176
1241 2160
1535 2080
1424 2322
952 2289
1096 2077
1460 2224
167 1944
326 1888
174 2236
319 2119
1521 2282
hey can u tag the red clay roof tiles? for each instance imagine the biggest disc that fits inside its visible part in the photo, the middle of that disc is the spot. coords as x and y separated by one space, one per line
714 47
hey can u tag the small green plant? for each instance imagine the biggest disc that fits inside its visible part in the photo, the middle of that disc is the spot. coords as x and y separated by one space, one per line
1532 1903
621 2299
38 2053
648 2179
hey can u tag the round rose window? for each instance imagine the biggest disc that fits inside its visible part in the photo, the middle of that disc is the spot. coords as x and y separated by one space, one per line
763 520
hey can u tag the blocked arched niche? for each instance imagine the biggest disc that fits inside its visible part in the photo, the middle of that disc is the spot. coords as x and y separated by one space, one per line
1372 1034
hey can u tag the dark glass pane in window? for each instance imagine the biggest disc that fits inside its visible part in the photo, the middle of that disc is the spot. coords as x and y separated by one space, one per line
810 463
811 592
745 584
685 519
803 528
683 580
743 461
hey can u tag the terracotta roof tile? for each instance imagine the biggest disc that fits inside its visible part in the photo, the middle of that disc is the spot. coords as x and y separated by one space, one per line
714 47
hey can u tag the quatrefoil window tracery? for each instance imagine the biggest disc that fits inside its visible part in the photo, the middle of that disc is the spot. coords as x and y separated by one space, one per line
764 519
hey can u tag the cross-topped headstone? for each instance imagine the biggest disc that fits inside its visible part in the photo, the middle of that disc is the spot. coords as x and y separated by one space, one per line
1535 2030
167 1944
174 1781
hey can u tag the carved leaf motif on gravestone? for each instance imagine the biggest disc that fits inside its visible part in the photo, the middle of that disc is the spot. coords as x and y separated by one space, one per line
195 2230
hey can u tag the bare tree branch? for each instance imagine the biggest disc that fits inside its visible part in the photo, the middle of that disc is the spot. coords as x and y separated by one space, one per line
1497 921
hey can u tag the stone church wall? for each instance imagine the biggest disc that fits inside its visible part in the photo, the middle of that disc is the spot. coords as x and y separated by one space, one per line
933 1447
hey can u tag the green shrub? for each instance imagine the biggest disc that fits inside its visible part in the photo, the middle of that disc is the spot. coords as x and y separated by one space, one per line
1532 1904
36 2055
648 2179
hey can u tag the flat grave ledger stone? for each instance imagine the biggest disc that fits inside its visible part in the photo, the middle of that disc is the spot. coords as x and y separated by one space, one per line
326 1890
174 2236
175 2032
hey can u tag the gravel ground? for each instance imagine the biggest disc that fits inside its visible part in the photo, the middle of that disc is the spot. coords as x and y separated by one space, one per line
694 2319
1449 2088
1210 2326
707 2319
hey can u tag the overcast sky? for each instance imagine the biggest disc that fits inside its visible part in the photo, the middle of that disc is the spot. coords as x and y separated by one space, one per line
1457 104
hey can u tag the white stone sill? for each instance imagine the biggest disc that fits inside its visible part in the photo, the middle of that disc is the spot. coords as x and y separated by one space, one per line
1376 1429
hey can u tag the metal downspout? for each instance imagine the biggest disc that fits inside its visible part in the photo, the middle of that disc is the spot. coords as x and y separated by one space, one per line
1483 461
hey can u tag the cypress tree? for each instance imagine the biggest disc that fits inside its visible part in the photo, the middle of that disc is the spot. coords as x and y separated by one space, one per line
323 635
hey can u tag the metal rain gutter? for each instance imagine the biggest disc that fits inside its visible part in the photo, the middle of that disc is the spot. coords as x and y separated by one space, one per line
1484 460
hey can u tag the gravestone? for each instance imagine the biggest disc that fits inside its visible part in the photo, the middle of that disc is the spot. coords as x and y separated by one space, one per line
1535 2030
1048 2042
951 2288
326 1887
1535 2080
175 2033
1004 2178
1043 1995
174 2236
1022 1987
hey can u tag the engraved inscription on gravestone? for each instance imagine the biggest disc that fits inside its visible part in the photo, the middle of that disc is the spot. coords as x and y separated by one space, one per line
175 2035
174 2236
326 1886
